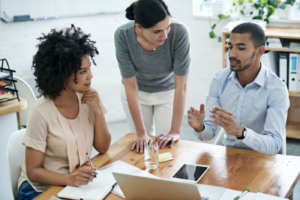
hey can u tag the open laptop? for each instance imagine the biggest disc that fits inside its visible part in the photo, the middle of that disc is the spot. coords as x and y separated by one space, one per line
146 188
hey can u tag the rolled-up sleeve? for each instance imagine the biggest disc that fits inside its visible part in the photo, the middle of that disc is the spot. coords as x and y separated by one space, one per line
270 142
212 99
125 63
36 131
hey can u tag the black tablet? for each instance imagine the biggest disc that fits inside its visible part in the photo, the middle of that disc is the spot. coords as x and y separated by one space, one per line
190 172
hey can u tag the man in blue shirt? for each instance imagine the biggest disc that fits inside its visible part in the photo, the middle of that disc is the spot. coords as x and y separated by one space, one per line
247 100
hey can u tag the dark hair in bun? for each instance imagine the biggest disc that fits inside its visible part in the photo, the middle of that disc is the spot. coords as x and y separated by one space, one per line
147 13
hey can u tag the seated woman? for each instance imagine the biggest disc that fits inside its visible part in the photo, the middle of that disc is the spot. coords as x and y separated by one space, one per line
67 120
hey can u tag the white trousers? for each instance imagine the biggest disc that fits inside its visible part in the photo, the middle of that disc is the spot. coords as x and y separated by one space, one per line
157 111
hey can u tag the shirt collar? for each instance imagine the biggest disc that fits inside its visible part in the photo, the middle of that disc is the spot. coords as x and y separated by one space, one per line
259 80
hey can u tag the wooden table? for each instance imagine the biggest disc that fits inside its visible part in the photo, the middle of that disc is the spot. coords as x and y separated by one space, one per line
9 123
229 167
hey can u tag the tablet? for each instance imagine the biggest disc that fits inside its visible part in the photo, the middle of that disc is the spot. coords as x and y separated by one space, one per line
190 172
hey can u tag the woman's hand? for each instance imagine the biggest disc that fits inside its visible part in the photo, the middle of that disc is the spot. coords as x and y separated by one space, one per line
164 138
83 177
138 144
92 98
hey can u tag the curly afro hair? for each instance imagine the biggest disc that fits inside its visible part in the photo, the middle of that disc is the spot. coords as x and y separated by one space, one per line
59 55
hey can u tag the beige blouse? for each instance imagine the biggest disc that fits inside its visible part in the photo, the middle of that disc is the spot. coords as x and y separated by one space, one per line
64 142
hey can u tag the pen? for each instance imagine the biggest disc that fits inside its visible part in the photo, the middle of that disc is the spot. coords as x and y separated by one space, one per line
242 194
90 163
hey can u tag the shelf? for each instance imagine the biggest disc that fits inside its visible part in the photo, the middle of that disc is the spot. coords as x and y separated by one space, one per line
293 130
294 94
277 49
278 32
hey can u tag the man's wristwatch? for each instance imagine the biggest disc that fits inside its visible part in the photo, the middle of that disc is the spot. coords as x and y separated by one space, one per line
243 134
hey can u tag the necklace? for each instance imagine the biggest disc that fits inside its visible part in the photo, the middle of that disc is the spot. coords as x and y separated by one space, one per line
154 49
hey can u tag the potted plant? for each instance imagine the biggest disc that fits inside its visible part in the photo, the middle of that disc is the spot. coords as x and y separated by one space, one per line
264 9
285 9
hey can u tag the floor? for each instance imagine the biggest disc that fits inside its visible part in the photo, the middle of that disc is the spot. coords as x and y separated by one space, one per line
117 129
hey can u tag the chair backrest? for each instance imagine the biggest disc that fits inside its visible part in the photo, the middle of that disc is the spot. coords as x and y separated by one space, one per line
220 138
26 92
15 155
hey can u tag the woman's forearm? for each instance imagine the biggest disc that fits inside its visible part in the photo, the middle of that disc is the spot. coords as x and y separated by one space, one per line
102 136
133 100
178 109
45 176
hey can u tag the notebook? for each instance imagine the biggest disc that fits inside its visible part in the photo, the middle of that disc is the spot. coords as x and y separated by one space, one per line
96 190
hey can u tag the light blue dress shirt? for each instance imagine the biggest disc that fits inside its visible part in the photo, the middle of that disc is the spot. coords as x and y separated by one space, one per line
261 107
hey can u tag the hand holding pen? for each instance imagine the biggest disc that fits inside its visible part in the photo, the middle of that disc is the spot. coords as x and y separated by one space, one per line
90 163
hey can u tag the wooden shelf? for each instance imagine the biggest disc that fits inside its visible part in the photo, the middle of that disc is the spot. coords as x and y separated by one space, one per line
294 94
277 49
279 32
13 106
293 130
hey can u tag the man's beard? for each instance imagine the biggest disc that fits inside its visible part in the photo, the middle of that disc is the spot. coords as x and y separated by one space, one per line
245 66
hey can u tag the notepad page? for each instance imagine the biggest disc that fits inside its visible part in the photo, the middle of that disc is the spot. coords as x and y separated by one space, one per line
105 178
231 194
260 196
91 191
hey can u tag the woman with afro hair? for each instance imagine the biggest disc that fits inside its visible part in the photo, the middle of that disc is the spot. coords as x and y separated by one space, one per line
67 120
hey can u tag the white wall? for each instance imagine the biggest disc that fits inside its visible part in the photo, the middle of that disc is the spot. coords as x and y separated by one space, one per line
18 40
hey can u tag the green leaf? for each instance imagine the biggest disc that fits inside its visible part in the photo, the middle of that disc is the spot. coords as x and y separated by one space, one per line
251 12
214 26
257 17
219 39
226 16
221 16
256 5
242 12
266 20
281 6
212 34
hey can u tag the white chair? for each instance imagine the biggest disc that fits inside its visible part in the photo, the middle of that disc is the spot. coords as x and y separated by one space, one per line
15 154
26 92
220 138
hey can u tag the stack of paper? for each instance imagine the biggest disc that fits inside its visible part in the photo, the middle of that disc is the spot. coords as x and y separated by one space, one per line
295 45
165 157
3 75
5 94
274 43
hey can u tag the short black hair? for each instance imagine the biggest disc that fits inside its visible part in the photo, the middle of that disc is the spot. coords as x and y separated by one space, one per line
257 34
59 55
147 13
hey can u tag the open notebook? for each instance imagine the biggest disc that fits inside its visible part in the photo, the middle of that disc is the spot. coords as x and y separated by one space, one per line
104 183
96 190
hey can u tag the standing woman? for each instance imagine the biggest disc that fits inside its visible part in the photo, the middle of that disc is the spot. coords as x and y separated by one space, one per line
153 54
68 120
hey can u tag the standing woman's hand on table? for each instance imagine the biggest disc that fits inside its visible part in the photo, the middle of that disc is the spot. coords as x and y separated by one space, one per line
138 144
164 138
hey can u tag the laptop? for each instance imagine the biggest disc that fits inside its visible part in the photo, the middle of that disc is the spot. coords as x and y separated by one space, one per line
148 188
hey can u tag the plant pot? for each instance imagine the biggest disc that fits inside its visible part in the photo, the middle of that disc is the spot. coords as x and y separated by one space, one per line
219 7
287 13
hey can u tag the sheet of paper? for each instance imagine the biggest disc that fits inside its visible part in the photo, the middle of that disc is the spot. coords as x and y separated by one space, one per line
89 191
123 167
105 178
260 196
231 194
210 191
